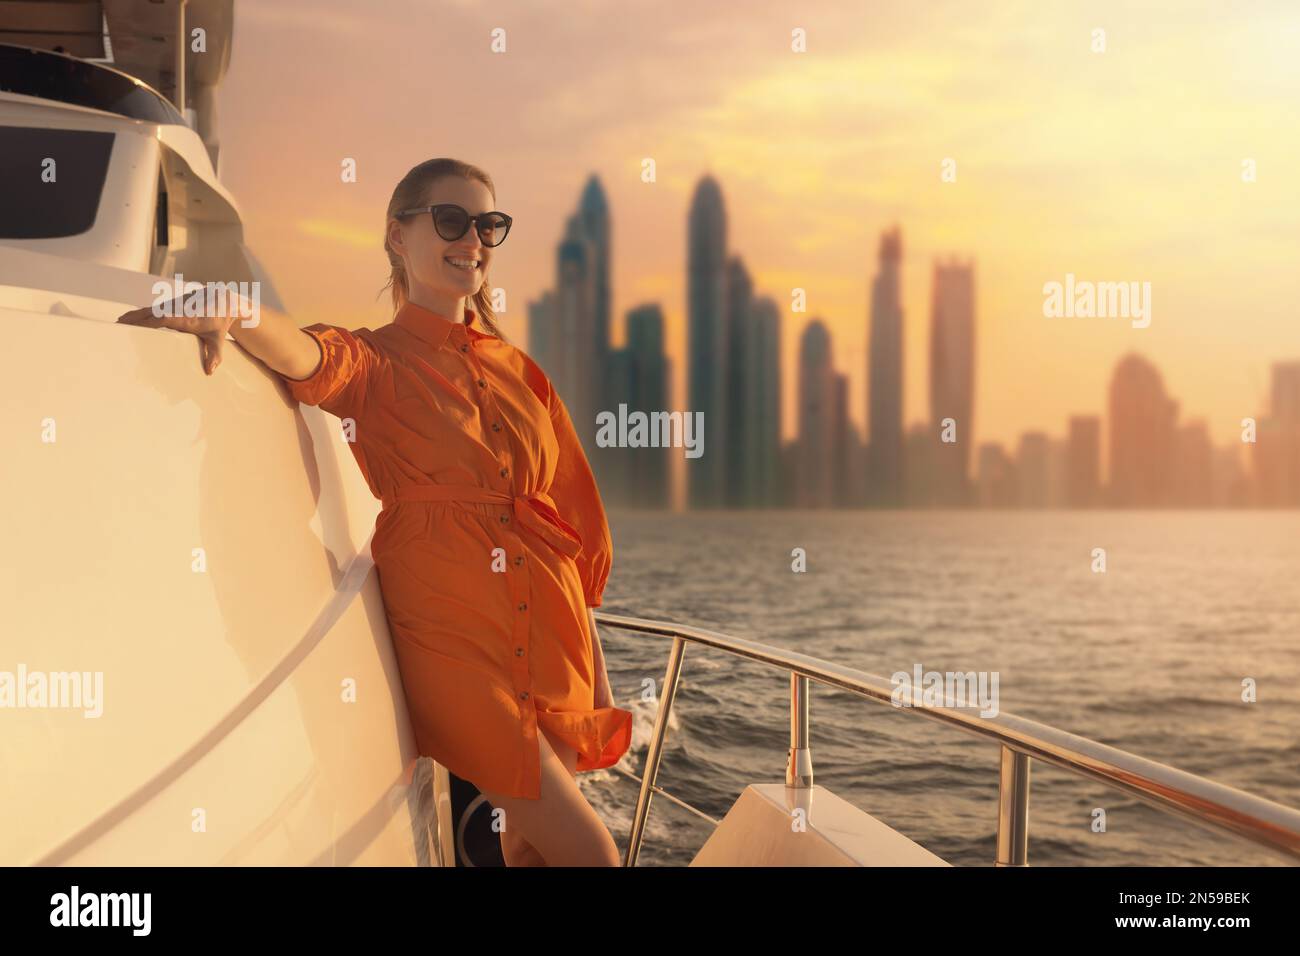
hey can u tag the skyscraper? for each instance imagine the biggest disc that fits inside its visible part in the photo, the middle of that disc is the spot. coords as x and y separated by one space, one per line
593 216
740 375
885 378
815 467
1033 470
643 385
1286 391
760 426
543 317
1276 452
573 345
996 478
593 222
952 379
918 466
842 439
1143 425
1193 471
569 329
1083 462
708 341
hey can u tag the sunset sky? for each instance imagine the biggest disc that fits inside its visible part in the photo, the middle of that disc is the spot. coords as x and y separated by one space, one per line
1117 166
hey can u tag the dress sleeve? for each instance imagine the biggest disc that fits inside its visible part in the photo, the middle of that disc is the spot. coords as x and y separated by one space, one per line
339 383
578 501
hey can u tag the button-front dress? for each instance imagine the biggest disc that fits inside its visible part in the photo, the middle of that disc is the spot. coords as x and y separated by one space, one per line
491 544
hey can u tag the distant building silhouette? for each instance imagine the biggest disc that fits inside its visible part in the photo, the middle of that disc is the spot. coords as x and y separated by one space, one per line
1083 462
1276 453
1143 428
708 342
1286 392
918 467
995 478
1033 470
592 222
641 379
1231 484
815 468
567 334
885 451
585 369
573 345
1193 471
759 436
855 467
741 373
593 215
845 439
543 332
570 337
952 378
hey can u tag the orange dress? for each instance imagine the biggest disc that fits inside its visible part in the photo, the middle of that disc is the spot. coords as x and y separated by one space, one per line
491 544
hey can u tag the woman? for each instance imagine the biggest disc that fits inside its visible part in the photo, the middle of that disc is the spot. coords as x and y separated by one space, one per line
492 546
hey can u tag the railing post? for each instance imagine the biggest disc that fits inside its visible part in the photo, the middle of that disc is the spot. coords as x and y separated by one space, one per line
798 767
1013 809
655 750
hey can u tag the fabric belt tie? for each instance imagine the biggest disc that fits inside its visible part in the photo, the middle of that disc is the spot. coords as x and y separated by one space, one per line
535 511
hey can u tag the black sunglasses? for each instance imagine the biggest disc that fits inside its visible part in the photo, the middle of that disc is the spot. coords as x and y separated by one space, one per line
452 221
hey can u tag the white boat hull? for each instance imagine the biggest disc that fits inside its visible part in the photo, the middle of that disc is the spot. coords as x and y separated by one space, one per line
200 545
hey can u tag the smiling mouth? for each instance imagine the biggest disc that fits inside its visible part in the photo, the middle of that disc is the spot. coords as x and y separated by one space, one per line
464 264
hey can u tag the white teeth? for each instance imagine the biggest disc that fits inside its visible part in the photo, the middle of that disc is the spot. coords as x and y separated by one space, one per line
463 263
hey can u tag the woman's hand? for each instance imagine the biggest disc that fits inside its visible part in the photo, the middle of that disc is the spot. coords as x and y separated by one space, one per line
603 695
210 329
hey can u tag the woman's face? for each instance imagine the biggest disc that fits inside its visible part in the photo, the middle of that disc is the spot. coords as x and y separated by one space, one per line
433 264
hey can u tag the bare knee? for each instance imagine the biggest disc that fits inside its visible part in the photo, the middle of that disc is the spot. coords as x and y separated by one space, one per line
589 846
594 848
516 851
561 825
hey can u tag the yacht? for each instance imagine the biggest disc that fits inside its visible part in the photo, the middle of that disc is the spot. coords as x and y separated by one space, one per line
198 665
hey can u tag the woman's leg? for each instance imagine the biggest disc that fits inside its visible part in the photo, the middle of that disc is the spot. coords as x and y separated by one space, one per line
559 828
516 850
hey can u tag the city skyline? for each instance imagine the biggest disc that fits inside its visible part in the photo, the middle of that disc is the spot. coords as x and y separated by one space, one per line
1149 456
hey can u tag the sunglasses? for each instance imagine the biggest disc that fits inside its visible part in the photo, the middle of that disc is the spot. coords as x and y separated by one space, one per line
451 222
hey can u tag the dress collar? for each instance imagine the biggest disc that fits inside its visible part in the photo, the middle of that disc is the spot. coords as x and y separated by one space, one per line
433 328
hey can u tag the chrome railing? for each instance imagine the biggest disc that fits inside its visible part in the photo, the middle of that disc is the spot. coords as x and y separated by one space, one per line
1204 802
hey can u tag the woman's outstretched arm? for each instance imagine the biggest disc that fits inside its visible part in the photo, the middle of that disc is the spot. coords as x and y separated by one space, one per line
271 337
279 343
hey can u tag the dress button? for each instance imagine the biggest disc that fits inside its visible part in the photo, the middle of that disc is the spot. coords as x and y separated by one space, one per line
504 472
496 426
519 652
505 519
519 559
523 605
464 348
482 384
524 695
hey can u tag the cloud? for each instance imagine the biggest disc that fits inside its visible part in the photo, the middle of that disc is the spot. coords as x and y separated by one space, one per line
344 233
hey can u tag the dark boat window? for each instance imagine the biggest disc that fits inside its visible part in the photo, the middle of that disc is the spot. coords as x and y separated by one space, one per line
161 220
30 207
55 76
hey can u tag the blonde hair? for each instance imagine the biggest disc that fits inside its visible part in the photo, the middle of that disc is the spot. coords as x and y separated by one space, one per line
413 191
